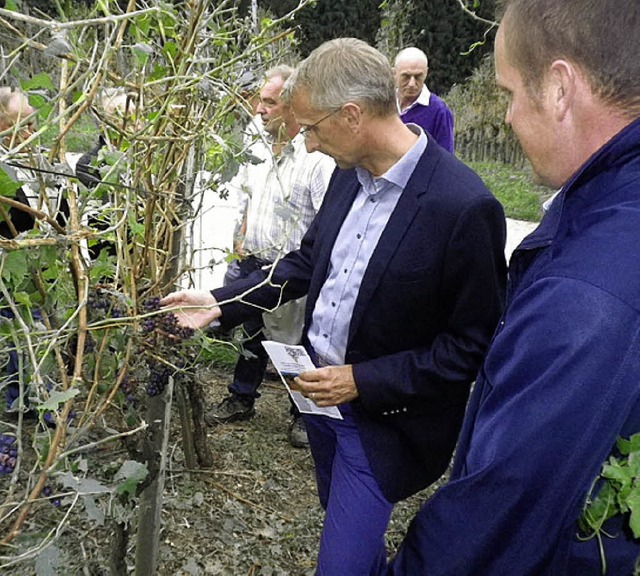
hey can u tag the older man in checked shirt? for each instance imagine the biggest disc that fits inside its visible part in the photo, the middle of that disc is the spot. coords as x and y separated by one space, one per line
283 190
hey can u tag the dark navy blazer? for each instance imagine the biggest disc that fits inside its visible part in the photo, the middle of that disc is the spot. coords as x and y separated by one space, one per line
427 307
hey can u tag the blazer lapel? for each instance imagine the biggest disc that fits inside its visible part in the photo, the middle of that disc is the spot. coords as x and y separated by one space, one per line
393 234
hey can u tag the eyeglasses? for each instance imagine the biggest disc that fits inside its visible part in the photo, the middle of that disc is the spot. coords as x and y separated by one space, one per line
307 130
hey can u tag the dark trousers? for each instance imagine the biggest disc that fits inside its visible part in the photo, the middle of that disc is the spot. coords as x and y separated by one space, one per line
11 378
252 363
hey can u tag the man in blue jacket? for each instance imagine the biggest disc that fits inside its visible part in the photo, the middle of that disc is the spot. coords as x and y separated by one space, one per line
561 381
404 271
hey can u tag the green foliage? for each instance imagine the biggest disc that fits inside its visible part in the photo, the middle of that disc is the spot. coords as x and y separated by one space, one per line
396 23
78 324
439 27
514 188
218 353
479 109
324 20
130 475
8 187
446 33
617 491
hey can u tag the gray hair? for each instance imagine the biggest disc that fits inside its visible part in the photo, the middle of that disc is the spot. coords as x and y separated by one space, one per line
282 71
345 70
411 53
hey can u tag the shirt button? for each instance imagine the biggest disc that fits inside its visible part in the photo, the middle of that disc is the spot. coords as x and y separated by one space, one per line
372 199
333 304
358 236
325 335
346 270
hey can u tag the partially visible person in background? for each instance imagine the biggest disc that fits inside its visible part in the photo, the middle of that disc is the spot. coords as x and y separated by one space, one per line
417 104
15 126
36 201
117 111
114 107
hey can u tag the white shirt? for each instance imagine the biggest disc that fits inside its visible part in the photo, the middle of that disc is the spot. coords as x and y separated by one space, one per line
284 194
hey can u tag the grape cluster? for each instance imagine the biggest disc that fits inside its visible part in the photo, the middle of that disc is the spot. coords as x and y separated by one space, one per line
158 378
8 454
166 323
47 491
101 302
128 389
98 301
151 304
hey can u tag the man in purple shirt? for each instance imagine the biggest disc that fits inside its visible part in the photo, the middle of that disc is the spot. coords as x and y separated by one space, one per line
416 103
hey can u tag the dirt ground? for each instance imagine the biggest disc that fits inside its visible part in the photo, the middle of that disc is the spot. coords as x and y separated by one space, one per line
255 513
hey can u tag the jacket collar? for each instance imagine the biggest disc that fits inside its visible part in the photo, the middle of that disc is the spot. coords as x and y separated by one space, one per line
614 154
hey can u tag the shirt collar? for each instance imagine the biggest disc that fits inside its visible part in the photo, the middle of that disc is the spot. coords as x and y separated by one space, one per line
423 99
399 174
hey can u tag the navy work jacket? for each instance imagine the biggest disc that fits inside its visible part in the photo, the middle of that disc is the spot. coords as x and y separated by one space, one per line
560 383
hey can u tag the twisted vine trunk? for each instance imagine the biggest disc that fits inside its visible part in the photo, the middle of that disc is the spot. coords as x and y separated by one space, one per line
155 457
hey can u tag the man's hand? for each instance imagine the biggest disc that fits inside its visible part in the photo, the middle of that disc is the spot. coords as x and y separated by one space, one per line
200 308
238 249
328 386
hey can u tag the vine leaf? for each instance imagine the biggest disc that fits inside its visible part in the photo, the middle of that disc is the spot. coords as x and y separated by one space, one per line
58 398
618 490
132 473
40 81
49 561
83 485
7 185
633 502
15 267
94 512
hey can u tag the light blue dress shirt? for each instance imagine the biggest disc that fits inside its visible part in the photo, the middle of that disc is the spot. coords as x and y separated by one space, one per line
356 241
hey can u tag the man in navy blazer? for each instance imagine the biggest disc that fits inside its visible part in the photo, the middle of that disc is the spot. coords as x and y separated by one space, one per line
404 271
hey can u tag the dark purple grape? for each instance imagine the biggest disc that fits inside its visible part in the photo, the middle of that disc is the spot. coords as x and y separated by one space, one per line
158 378
151 304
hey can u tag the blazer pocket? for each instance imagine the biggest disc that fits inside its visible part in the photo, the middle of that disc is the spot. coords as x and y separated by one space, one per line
406 275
